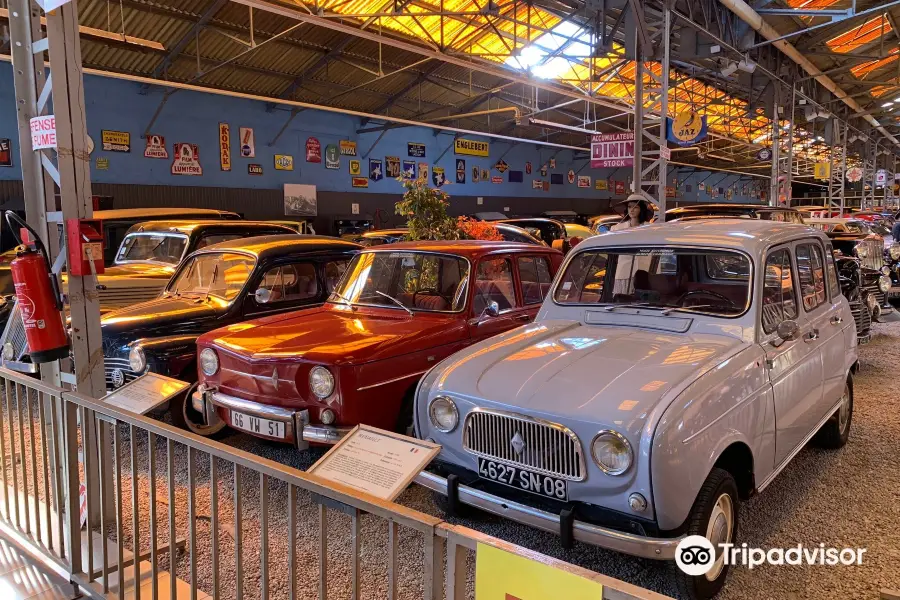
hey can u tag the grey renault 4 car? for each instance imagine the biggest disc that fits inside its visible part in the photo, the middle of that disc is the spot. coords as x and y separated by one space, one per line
672 372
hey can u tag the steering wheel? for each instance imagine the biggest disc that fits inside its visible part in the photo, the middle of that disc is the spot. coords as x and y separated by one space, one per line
708 293
431 292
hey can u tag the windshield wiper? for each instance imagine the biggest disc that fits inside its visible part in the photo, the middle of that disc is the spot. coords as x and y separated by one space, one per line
212 281
671 309
342 297
612 307
395 301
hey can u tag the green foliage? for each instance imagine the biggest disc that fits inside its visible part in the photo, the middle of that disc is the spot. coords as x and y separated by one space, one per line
425 209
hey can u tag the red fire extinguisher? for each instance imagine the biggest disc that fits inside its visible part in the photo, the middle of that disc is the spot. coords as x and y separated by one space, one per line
37 292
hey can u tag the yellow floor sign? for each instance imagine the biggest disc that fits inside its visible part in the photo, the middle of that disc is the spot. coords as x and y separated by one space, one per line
500 575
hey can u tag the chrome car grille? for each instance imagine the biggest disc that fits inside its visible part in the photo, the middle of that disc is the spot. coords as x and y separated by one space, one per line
875 256
14 334
111 366
539 446
862 318
120 297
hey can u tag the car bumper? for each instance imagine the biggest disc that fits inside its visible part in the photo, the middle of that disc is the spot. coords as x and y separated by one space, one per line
298 430
627 543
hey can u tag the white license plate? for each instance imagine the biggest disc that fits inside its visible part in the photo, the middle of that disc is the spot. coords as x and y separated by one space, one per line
257 426
522 479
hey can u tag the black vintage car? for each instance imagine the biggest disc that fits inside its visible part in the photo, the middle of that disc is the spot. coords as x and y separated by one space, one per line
219 285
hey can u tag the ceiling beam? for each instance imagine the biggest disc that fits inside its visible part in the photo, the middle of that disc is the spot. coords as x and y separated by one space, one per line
403 91
189 35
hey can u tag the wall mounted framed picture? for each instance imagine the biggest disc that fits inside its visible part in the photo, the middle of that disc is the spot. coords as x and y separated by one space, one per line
300 200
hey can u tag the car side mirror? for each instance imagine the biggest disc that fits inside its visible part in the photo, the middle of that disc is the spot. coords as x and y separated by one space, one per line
491 310
788 331
262 295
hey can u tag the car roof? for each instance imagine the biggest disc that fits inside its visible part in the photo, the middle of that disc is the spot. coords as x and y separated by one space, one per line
150 213
263 246
468 248
183 226
750 235
727 206
379 232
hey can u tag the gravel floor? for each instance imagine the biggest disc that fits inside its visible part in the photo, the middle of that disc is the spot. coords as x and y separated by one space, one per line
848 498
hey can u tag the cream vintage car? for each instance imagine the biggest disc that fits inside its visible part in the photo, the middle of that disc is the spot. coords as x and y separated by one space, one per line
672 372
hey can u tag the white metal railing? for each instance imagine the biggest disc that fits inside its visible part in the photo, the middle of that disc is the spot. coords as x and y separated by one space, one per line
52 441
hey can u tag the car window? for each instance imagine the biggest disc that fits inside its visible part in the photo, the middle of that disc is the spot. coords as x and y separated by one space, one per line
152 247
220 274
831 271
215 238
534 273
494 283
334 270
665 278
779 301
811 273
287 283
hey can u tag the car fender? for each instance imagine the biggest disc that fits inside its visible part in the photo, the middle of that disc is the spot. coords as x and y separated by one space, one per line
169 355
731 403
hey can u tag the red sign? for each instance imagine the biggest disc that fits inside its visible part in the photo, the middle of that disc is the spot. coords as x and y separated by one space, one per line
620 187
43 132
496 179
187 160
612 150
313 150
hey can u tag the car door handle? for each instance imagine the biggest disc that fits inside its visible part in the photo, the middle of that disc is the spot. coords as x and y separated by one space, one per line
836 320
811 336
523 317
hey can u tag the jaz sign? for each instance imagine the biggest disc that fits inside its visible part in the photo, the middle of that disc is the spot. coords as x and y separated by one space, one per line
612 150
43 132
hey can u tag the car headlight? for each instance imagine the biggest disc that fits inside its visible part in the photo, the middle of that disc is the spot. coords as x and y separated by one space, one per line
321 382
444 414
209 362
612 452
884 283
894 251
862 252
137 360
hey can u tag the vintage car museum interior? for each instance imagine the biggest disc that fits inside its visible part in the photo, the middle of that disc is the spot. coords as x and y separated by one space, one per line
449 299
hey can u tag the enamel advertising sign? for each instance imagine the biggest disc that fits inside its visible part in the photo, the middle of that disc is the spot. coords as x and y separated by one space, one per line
284 162
115 141
187 160
248 144
225 146
612 150
156 147
313 150
471 147
348 148
43 132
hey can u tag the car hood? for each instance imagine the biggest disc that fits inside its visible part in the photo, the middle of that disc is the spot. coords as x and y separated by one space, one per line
334 334
588 373
171 314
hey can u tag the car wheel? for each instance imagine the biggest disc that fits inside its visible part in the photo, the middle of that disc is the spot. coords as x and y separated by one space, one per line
185 417
715 517
405 417
836 431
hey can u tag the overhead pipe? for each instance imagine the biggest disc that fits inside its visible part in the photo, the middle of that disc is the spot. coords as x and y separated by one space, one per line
513 109
752 18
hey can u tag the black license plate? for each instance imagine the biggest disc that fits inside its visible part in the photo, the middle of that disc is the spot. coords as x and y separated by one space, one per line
523 479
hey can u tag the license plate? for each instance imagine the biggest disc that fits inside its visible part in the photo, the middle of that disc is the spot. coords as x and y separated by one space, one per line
255 425
523 479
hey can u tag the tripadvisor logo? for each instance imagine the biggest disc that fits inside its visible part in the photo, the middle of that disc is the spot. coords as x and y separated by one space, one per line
695 555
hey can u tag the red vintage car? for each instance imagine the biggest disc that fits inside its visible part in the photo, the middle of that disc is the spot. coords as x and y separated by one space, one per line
311 375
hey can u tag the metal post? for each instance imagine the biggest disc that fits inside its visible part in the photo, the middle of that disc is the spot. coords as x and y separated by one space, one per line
776 146
836 195
869 158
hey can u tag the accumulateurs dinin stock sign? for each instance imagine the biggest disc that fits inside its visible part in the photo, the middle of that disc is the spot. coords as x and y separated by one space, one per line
612 150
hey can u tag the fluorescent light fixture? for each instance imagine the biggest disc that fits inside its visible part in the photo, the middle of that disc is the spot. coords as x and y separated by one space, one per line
746 65
887 104
729 69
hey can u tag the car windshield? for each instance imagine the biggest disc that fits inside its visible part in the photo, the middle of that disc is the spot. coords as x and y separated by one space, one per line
415 280
696 280
220 274
152 247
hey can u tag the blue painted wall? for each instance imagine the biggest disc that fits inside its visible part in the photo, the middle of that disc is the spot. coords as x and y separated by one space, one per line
194 117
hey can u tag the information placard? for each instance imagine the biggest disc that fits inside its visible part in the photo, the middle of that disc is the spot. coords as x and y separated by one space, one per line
146 393
375 461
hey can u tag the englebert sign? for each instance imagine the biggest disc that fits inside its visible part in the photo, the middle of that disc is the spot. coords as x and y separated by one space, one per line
471 147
